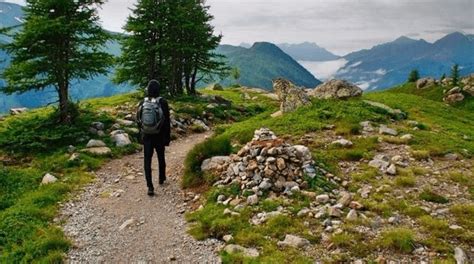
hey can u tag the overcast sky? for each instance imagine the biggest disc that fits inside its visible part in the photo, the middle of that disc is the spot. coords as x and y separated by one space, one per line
340 26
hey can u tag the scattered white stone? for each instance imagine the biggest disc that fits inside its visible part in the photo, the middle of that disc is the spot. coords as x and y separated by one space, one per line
460 256
342 142
93 143
352 215
323 198
384 130
236 249
294 241
48 178
127 224
252 199
392 169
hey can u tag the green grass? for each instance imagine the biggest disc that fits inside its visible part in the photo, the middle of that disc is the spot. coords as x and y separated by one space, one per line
430 196
399 239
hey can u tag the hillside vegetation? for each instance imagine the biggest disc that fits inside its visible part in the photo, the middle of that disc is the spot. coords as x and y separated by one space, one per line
421 213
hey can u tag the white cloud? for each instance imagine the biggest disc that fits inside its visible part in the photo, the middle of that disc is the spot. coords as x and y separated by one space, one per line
338 25
323 70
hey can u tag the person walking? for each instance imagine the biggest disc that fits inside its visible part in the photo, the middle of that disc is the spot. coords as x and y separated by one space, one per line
153 119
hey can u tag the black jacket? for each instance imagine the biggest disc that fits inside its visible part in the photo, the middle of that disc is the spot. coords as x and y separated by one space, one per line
164 137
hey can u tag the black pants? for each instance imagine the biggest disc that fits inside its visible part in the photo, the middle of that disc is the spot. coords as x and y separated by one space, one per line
149 148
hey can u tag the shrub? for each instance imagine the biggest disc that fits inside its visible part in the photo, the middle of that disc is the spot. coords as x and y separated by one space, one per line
430 196
401 239
216 146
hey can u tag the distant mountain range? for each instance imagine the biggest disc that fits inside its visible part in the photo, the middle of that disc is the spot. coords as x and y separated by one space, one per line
307 52
262 63
389 64
11 15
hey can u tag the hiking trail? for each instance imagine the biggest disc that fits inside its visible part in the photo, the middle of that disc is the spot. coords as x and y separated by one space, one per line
114 221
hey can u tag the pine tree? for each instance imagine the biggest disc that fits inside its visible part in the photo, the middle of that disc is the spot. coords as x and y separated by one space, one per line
171 41
61 41
443 77
414 76
455 74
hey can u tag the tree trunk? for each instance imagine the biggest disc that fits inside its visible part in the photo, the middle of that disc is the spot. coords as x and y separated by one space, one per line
193 81
63 103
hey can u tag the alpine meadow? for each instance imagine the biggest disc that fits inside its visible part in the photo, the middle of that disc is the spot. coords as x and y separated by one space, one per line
191 131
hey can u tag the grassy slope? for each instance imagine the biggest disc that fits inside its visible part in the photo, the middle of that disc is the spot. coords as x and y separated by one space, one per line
445 129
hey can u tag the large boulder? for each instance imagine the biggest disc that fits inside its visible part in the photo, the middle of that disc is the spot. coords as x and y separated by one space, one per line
336 89
216 87
425 82
93 143
454 98
290 96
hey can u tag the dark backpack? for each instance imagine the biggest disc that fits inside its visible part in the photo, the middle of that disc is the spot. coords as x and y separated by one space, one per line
152 116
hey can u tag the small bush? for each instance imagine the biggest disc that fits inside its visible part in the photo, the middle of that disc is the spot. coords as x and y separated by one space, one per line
405 181
400 239
430 196
216 146
464 214
420 154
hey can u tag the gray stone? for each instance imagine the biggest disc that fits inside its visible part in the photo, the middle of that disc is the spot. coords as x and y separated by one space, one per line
336 89
48 179
93 143
214 163
352 215
460 256
323 198
247 252
425 82
342 142
121 139
392 169
290 96
252 199
17 111
384 130
98 125
454 98
345 199
294 241
98 151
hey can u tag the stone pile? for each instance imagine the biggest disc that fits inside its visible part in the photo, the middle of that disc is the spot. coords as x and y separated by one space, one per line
267 163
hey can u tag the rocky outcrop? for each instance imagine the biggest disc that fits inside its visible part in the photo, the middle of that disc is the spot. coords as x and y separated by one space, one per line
267 163
454 96
290 96
468 84
336 89
426 82
17 111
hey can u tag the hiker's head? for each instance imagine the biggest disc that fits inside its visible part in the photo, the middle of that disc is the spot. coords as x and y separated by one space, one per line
153 89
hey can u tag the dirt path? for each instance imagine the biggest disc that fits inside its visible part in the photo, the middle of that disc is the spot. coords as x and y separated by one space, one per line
97 220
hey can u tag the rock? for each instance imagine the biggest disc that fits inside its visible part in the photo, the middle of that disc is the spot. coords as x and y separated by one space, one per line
246 252
352 215
74 157
356 205
294 241
379 162
395 113
460 256
345 199
303 212
454 90
451 156
227 238
227 211
201 125
121 139
18 111
384 130
48 178
216 87
367 126
93 143
123 122
265 185
392 169
221 198
71 149
214 163
323 198
454 98
290 96
127 224
252 199
407 137
277 114
342 142
98 151
98 125
469 89
336 89
425 82
334 212
303 152
455 227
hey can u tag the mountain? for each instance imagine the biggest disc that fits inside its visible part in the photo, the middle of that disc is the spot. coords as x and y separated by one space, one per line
262 63
307 52
11 15
389 64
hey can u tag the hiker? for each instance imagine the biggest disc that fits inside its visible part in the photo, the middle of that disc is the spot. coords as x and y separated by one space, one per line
153 119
